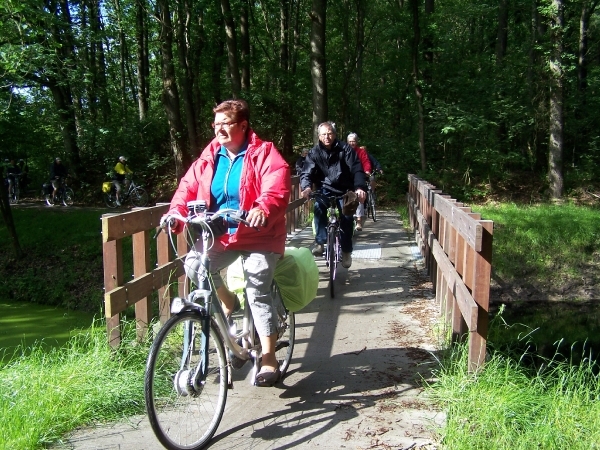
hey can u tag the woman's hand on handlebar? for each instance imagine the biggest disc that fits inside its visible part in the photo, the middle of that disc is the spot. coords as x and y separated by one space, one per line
306 192
256 218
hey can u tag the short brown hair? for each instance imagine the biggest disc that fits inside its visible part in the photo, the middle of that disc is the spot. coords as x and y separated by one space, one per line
235 109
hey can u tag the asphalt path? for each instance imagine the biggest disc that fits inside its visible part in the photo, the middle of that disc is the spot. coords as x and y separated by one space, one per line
358 367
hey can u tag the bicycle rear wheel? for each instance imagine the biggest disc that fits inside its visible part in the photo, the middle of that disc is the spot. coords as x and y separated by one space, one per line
67 196
185 414
285 337
110 200
331 259
139 197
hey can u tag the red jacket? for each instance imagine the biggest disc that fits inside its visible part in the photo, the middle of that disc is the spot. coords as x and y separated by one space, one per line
265 183
364 158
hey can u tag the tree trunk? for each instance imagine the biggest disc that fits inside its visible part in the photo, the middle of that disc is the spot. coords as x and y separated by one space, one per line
245 36
317 63
170 94
187 81
587 9
8 221
417 82
502 35
232 56
555 150
142 59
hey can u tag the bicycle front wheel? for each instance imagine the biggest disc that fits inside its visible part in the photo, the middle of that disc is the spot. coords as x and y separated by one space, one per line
48 198
14 196
68 196
331 259
139 197
184 412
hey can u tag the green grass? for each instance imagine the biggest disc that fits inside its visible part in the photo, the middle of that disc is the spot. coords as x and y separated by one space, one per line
506 406
50 392
548 244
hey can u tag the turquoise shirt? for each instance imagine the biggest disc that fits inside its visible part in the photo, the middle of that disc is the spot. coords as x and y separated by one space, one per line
225 187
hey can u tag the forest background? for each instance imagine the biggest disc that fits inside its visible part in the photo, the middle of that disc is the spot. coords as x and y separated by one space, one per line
476 97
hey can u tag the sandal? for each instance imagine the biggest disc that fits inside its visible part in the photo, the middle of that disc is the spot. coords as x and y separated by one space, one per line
266 378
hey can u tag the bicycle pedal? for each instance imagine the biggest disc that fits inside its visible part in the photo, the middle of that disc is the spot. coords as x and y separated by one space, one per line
236 363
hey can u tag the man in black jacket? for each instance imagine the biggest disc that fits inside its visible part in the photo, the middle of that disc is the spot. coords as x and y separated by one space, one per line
334 168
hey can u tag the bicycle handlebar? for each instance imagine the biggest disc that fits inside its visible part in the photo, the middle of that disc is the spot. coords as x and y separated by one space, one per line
204 219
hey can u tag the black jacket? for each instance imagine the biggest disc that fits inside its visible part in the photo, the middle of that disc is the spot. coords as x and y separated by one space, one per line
58 170
338 170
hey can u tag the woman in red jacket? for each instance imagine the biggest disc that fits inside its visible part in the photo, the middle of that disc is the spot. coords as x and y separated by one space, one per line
352 140
238 170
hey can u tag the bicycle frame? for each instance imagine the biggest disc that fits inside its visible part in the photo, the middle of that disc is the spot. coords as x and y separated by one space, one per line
204 299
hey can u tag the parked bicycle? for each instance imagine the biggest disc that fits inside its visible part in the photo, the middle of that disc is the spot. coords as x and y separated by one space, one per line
135 194
189 367
371 200
333 248
64 194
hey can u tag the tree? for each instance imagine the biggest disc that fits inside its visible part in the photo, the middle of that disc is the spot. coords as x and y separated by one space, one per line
318 66
556 130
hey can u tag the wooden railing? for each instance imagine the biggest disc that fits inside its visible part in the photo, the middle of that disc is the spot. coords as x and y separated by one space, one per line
457 248
158 271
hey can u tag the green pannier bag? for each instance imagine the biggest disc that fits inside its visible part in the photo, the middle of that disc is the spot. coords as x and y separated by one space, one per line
296 274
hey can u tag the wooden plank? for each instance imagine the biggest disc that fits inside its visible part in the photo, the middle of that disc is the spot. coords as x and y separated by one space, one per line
466 303
141 265
482 270
112 256
469 228
126 224
118 299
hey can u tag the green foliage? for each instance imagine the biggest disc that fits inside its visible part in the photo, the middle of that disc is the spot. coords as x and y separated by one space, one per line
107 385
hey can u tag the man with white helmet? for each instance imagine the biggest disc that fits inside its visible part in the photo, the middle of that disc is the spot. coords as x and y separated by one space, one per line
120 177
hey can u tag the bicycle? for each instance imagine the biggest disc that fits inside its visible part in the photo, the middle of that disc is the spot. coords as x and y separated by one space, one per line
189 367
333 249
134 193
371 199
64 194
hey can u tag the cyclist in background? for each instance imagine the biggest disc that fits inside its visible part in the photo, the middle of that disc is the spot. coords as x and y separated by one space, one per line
58 172
333 166
352 140
12 170
25 180
120 177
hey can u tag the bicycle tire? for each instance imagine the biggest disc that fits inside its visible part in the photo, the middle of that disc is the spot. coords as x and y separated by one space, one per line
372 211
48 198
331 259
180 420
139 197
13 197
109 200
67 196
286 336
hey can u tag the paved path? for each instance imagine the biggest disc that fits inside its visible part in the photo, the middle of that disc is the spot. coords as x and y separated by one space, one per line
355 377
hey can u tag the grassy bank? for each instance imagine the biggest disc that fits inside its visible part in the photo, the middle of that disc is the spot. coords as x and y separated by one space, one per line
555 247
507 406
50 392
521 399
63 258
